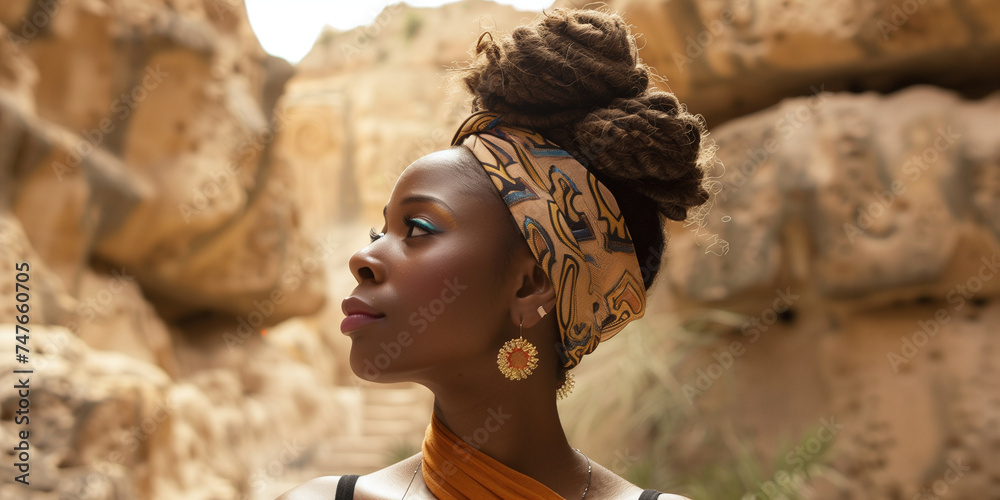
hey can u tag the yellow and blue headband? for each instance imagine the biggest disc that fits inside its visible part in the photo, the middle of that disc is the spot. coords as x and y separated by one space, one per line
573 226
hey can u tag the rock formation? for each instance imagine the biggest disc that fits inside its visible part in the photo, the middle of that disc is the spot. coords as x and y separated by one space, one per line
729 58
188 204
162 236
845 278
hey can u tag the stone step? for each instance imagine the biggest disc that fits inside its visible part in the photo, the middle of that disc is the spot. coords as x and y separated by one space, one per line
360 442
380 423
390 428
356 462
395 396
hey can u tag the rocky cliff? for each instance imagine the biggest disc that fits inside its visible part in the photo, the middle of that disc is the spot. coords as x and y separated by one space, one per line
159 236
826 328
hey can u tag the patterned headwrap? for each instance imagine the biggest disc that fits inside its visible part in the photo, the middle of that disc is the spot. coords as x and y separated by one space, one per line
573 226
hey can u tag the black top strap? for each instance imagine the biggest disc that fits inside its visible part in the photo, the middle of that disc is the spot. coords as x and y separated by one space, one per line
345 487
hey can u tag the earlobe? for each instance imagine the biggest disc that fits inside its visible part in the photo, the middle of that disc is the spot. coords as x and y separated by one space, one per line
536 297
548 306
536 306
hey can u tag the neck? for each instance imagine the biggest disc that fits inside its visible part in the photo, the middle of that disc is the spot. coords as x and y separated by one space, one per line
517 424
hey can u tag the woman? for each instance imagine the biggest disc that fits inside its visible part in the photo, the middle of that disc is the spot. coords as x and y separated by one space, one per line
506 258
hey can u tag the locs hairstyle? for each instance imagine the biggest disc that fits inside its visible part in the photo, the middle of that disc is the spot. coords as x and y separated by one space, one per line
576 78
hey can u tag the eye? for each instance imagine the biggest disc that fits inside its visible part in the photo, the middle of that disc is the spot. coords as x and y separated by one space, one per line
419 225
373 235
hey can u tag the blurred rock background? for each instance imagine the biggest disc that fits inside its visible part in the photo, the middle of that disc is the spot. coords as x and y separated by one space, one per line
825 329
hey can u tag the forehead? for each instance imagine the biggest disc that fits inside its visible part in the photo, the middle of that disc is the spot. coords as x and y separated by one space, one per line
439 163
452 175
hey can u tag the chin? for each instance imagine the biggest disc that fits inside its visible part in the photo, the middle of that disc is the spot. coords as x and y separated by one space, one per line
375 367
377 359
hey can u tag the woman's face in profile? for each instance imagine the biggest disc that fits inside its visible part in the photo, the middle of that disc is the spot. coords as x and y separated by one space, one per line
430 276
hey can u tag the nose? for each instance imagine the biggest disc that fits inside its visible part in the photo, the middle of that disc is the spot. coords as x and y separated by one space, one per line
366 265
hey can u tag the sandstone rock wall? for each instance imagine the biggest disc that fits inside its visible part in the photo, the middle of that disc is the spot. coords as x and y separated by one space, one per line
856 187
163 236
848 272
729 58
180 195
841 289
370 101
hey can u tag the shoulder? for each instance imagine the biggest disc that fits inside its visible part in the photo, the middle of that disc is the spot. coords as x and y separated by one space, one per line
607 484
322 487
389 482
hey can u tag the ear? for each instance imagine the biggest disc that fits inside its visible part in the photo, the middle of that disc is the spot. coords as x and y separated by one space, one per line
535 298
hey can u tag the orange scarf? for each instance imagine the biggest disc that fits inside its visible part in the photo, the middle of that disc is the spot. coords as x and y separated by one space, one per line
454 470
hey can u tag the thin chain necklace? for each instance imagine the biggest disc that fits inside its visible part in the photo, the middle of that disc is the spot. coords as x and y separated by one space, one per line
585 489
588 474
421 462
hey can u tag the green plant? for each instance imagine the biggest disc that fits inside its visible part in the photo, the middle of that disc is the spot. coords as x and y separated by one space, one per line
413 24
648 406
401 450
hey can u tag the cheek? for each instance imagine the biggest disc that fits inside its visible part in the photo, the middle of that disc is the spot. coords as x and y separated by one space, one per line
453 299
445 308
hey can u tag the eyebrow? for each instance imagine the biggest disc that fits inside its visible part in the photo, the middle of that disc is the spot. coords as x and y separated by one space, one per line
422 198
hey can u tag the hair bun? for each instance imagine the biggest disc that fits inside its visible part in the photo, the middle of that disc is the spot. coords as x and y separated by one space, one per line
648 144
553 72
575 77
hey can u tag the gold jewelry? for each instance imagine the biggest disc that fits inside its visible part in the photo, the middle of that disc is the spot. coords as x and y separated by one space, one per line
566 387
517 358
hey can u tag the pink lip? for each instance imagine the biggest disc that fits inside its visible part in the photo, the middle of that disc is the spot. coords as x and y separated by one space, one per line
354 322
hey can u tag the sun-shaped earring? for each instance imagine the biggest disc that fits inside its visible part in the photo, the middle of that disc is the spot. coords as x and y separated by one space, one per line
517 358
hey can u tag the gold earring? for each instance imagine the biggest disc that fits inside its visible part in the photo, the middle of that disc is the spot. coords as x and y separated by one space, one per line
566 387
517 358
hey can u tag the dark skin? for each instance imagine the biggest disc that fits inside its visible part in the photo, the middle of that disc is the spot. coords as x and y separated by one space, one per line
441 235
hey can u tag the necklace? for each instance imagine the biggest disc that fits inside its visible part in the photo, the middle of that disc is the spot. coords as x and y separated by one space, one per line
588 474
585 489
421 462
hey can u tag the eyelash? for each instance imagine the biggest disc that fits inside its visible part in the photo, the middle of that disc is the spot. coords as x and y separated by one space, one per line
410 223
